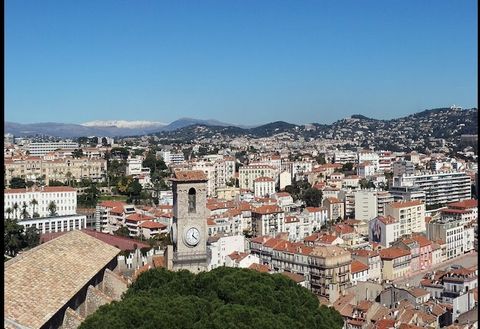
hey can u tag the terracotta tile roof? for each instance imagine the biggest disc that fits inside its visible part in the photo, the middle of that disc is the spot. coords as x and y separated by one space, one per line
261 239
291 219
271 243
138 217
343 229
314 209
328 251
406 204
358 266
392 253
421 239
39 282
112 204
465 204
418 292
259 268
313 237
327 239
364 305
189 175
237 256
158 261
294 276
153 225
385 324
267 209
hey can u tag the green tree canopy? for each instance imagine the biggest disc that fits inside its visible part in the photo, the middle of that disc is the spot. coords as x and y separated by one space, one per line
312 197
222 298
16 238
17 182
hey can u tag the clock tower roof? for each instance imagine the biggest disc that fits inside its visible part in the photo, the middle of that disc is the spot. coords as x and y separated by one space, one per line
189 176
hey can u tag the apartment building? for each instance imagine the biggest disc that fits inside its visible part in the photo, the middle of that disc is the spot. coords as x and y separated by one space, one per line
220 246
396 263
383 230
329 271
335 208
42 148
59 169
39 201
248 174
369 156
344 157
267 220
458 236
440 187
317 216
409 214
110 215
407 193
366 169
373 261
263 187
171 157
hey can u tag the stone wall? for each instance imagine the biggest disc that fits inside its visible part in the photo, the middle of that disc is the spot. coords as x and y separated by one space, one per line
71 320
113 285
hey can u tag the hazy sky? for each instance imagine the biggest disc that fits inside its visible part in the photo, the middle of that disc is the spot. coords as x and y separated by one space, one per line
239 61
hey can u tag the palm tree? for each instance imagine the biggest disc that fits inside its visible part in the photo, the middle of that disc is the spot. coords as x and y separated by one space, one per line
69 176
25 213
9 212
34 203
15 208
52 208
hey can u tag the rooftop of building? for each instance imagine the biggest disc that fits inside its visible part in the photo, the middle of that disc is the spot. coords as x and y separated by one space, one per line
39 282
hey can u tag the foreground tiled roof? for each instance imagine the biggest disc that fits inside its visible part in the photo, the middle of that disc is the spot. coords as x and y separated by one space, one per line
39 282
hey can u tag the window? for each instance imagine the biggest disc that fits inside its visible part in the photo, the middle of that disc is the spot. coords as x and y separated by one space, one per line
192 194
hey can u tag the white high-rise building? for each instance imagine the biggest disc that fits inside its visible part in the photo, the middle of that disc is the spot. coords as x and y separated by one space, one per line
440 187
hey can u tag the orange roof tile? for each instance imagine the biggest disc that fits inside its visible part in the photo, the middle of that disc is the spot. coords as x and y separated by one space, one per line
267 209
153 225
138 217
358 266
392 253
259 268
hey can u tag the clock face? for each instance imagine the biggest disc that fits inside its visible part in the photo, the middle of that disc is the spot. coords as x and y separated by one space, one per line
192 236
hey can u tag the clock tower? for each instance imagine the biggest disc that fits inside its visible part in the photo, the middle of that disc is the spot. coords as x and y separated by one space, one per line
189 228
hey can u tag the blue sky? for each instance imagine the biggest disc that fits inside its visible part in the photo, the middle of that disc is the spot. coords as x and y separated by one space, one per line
238 61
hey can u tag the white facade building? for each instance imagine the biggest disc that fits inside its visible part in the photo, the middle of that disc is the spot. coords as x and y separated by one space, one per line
42 148
409 214
440 187
263 187
56 223
64 198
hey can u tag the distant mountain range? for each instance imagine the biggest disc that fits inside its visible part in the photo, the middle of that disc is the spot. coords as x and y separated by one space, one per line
108 128
440 123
